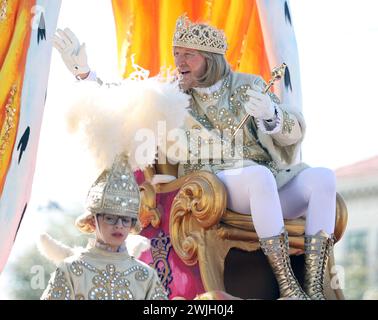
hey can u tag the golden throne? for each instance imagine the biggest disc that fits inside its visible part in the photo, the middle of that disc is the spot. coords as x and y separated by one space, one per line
222 243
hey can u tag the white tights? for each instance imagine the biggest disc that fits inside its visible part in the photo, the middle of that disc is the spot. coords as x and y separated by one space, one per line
312 193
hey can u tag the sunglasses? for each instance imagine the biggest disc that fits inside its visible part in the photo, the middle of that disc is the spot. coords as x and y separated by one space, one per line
113 219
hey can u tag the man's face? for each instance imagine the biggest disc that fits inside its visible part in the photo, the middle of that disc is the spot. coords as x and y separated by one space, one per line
190 64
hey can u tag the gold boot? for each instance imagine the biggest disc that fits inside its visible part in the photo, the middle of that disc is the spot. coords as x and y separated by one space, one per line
317 251
276 249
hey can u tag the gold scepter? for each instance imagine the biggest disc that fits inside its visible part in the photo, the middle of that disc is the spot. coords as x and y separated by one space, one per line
277 74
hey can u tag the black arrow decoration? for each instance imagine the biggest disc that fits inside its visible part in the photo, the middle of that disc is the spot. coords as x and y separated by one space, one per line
288 80
22 217
41 35
23 143
287 13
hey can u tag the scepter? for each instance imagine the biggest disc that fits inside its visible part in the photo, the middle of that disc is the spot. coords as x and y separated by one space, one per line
277 74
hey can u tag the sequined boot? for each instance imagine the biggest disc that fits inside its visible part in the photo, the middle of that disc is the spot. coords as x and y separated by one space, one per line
276 249
317 251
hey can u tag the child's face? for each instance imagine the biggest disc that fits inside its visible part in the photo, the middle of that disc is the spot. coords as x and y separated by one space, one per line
113 229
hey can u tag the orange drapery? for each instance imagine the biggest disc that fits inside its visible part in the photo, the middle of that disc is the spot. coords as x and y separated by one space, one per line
15 30
145 28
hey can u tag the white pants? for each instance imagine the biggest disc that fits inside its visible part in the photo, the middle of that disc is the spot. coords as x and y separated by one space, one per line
312 193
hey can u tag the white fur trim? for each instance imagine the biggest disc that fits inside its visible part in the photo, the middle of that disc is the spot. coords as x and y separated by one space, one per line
53 250
137 244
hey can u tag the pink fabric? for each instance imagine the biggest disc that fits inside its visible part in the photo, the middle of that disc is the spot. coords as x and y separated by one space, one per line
186 280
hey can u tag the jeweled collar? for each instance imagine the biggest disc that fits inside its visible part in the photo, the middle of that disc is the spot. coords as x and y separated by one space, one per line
213 92
94 243
209 90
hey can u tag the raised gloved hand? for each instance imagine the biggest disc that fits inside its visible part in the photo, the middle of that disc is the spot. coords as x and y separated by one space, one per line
259 105
73 54
162 178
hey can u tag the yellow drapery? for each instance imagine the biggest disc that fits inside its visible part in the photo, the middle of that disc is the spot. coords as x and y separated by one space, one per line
145 28
15 29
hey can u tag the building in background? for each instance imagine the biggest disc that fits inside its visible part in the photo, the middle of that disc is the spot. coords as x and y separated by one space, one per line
357 253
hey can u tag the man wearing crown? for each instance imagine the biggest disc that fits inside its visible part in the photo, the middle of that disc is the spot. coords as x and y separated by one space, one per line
261 176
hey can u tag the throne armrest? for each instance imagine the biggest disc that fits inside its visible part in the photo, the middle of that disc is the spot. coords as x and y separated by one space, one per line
201 194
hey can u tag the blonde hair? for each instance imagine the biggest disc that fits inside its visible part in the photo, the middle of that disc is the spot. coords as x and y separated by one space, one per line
216 68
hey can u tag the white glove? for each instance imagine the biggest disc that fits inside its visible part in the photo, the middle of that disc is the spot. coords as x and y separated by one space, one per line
73 54
259 105
162 178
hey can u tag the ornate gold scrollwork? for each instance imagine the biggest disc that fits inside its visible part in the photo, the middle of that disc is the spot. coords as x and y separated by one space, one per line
148 213
198 206
203 231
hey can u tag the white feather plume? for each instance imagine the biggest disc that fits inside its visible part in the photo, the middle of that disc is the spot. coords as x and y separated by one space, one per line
109 118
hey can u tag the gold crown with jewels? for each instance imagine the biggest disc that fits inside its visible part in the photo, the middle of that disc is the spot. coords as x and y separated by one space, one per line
199 36
115 192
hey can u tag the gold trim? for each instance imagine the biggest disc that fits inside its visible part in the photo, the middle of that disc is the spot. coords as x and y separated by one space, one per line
148 213
149 173
3 10
202 230
199 36
341 217
9 122
167 168
198 206
288 123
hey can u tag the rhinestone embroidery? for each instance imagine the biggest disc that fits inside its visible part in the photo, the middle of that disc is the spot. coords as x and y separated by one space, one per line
216 116
109 284
199 36
58 287
115 191
215 95
159 293
238 97
9 122
288 123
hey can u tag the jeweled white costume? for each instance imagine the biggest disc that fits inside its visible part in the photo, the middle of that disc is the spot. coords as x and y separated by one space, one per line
267 153
98 274
266 183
